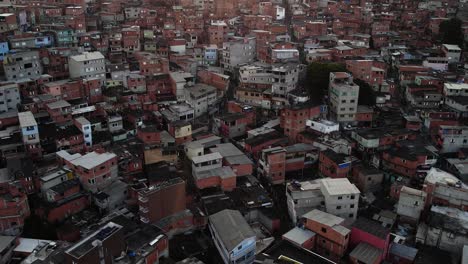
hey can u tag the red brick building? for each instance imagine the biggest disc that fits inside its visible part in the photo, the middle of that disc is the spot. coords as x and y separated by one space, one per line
331 236
293 119
161 200
14 210
334 165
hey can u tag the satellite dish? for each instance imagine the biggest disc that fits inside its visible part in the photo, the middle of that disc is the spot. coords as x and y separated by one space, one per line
45 61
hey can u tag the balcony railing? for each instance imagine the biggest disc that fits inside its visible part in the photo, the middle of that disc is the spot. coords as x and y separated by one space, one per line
142 199
144 219
143 209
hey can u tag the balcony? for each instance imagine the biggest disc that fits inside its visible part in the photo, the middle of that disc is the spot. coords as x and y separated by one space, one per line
142 199
143 209
144 219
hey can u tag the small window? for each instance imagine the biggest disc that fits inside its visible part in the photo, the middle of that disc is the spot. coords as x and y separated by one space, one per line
352 197
340 198
324 230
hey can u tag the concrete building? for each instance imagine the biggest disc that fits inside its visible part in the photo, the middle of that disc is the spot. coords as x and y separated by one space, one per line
446 229
206 163
271 164
341 197
96 171
22 65
452 52
451 138
7 245
444 188
323 126
343 95
179 81
84 126
102 246
410 204
14 210
236 51
30 133
88 65
9 97
233 237
331 236
456 89
285 78
303 197
161 200
201 98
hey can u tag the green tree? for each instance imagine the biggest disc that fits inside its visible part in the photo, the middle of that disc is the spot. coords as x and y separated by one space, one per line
366 93
318 78
451 32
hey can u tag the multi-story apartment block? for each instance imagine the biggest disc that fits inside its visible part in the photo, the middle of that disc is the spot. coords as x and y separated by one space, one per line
451 138
30 133
341 197
410 204
370 71
96 171
9 97
88 65
294 118
8 22
343 95
236 51
271 164
233 237
22 65
451 52
15 209
201 98
331 236
179 81
84 126
161 200
285 78
303 197
456 89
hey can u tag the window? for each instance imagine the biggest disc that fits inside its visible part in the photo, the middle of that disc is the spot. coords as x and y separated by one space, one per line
351 215
338 207
324 230
239 247
340 197
351 206
352 197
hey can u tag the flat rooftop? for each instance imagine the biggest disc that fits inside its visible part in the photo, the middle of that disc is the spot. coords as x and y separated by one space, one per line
84 246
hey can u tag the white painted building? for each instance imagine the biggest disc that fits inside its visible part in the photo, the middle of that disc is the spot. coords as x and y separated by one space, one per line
411 203
87 65
233 237
341 197
323 126
84 126
303 197
452 52
343 96
9 97
201 97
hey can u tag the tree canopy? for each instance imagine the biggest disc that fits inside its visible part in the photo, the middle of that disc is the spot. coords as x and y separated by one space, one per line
318 78
366 93
451 32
